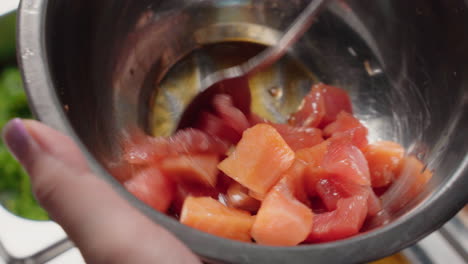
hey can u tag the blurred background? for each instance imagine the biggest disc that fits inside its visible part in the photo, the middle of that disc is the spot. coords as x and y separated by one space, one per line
14 184
25 236
26 241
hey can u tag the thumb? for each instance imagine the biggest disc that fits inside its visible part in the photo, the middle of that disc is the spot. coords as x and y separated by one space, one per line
102 224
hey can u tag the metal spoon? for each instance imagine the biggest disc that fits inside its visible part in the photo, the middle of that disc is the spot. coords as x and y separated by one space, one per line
234 80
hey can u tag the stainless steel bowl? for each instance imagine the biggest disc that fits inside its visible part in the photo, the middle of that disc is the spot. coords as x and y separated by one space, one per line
99 69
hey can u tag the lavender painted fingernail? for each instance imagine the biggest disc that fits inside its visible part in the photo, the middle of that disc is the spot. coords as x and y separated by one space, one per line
18 140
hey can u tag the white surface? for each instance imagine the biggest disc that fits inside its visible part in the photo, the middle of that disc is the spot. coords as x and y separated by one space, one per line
437 248
22 238
8 5
72 256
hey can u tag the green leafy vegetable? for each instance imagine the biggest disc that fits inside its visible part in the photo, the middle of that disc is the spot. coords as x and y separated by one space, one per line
15 188
7 37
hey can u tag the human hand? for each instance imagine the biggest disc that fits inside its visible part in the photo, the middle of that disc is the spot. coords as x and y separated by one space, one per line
105 227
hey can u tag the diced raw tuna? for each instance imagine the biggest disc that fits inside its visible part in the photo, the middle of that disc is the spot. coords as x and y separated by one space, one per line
312 109
152 187
216 127
345 221
346 125
298 137
231 115
346 162
188 141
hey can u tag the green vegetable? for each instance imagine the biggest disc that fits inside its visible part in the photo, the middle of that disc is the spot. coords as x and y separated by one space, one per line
15 188
7 37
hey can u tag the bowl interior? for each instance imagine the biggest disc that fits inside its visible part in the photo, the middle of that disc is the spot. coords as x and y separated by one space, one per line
121 66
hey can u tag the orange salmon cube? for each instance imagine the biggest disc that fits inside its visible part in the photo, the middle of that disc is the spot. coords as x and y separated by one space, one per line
208 215
296 182
196 169
384 159
259 160
282 220
313 156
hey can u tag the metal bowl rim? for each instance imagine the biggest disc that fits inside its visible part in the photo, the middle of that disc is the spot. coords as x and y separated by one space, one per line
33 59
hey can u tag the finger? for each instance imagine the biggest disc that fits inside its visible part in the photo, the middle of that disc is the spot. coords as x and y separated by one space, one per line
56 143
102 224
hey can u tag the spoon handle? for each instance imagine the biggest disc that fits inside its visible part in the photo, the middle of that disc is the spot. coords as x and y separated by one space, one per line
293 33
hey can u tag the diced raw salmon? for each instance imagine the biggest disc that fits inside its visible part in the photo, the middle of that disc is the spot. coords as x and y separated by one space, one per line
209 215
282 220
182 191
259 160
384 160
311 160
194 169
299 137
313 156
302 188
295 181
345 221
297 168
152 187
238 197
